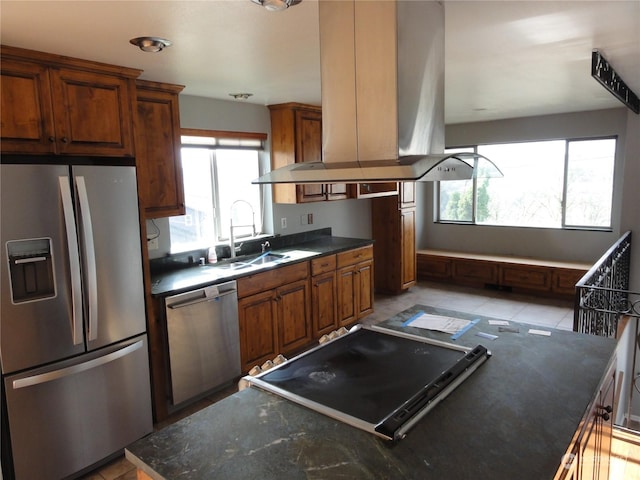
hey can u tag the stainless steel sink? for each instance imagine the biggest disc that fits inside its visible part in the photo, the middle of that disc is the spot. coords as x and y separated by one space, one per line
247 262
266 258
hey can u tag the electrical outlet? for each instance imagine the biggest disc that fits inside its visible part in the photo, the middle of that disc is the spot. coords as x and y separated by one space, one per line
152 244
283 222
310 218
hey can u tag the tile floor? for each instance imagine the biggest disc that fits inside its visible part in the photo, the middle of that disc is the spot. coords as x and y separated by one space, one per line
544 312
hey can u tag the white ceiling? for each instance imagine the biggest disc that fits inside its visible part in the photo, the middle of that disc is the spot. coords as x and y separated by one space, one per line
504 59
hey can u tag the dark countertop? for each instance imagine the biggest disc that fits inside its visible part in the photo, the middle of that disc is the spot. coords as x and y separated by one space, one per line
513 418
194 277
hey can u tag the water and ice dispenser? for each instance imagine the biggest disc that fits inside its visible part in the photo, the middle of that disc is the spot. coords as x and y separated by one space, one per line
31 269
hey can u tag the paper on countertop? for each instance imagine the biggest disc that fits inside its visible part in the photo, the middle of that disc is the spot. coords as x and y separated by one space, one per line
439 323
544 333
498 322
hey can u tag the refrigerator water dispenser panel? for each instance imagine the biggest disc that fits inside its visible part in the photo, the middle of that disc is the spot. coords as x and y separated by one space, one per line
31 270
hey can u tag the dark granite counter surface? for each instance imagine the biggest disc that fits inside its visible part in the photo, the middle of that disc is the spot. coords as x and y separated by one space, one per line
515 417
297 248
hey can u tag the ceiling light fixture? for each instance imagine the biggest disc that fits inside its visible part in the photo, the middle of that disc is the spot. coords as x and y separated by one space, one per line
277 5
150 44
241 96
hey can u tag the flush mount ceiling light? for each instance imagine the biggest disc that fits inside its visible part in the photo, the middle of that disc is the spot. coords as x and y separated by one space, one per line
150 44
240 96
276 5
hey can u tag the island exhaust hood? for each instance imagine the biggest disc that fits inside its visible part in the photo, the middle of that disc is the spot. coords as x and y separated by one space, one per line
382 71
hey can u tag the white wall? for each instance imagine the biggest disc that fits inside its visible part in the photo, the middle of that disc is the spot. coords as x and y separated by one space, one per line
552 244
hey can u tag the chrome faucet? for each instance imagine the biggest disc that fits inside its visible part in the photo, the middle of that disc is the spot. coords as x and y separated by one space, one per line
232 243
265 245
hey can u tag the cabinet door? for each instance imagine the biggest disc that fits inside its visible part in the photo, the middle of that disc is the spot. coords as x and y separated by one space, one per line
26 115
308 133
407 192
258 329
564 280
408 250
160 184
324 303
529 276
364 279
294 322
474 271
434 266
92 113
347 290
373 190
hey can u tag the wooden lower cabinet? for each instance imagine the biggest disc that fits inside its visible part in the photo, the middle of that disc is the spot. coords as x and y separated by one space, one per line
293 302
324 303
274 311
595 449
551 278
590 455
472 271
394 231
324 295
525 276
354 285
258 329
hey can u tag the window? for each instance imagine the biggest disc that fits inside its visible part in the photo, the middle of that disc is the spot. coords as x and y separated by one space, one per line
546 184
218 171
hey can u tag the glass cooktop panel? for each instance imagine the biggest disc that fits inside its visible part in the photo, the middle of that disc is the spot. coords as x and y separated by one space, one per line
365 374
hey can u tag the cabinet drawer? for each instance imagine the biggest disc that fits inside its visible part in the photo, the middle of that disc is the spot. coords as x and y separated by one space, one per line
323 264
537 278
354 256
475 271
271 279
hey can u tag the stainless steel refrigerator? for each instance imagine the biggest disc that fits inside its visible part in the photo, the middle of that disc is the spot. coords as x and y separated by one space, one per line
73 345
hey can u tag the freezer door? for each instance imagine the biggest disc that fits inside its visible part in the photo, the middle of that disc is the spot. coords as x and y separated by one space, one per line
35 331
109 230
71 415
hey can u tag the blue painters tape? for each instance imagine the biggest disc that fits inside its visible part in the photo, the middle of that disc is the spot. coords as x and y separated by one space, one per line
463 330
417 315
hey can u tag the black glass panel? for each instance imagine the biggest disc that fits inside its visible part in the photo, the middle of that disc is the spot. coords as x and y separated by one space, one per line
365 374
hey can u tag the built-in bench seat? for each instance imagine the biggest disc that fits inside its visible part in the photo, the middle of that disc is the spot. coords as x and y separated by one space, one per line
530 275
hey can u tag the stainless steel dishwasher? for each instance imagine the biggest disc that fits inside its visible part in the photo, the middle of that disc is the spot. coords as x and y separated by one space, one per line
204 340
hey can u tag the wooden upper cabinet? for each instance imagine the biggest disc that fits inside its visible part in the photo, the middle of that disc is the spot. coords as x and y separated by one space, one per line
60 105
157 134
26 112
296 137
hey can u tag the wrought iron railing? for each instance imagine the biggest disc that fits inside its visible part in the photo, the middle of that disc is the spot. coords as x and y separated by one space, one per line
603 296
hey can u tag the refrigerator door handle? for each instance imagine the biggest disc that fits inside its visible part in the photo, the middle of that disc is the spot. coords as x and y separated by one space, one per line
90 257
75 369
74 260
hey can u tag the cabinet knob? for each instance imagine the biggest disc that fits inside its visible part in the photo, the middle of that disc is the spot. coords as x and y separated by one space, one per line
64 140
52 139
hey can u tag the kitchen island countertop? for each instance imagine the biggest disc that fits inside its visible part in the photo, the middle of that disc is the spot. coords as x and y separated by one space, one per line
513 418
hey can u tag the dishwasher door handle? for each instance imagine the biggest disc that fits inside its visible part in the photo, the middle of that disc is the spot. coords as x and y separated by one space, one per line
204 298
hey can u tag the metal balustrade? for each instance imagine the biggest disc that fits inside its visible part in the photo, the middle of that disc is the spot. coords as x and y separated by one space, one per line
602 294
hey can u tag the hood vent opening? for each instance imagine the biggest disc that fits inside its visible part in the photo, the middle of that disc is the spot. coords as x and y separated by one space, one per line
382 74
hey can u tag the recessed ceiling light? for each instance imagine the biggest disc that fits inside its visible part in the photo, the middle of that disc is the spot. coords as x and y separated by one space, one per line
276 5
150 44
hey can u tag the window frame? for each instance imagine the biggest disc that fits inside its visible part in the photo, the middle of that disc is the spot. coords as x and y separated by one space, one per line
565 186
214 141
